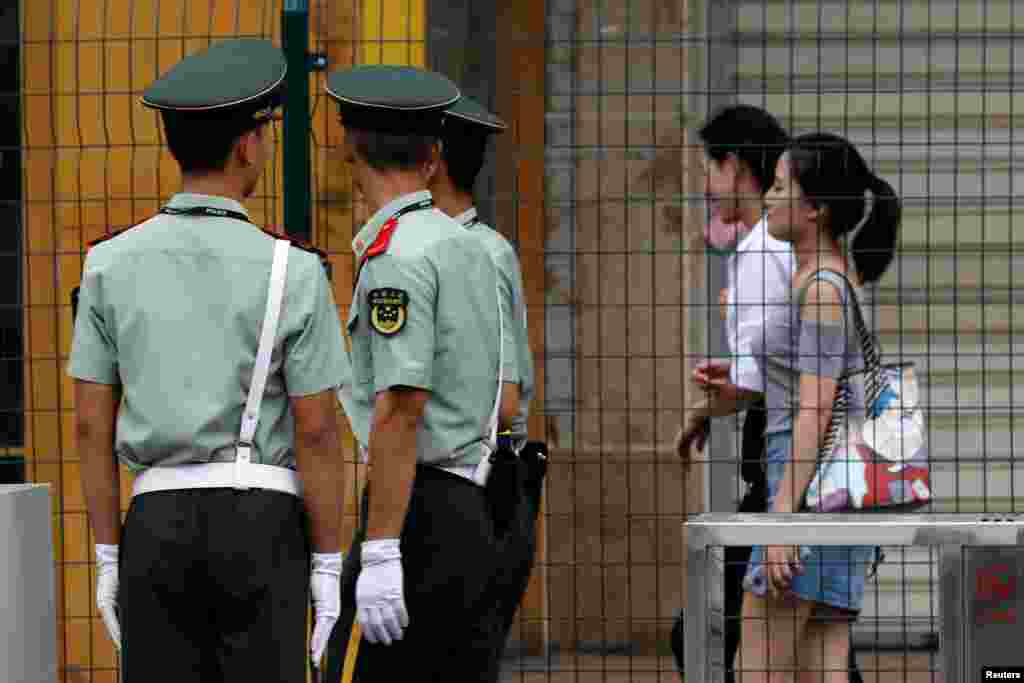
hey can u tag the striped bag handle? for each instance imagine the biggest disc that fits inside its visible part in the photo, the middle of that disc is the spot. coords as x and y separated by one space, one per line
874 379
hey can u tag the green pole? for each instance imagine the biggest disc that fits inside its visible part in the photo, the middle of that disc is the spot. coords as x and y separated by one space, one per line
297 194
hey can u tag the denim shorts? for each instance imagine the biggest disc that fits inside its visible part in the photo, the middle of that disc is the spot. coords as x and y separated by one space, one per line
832 574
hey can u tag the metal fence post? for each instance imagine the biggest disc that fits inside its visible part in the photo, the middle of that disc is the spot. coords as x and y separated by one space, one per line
297 194
951 607
696 621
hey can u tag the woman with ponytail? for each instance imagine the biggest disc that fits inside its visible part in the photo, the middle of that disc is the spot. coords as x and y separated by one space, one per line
841 221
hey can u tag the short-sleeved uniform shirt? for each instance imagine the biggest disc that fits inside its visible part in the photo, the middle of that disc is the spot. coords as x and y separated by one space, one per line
513 313
172 310
424 315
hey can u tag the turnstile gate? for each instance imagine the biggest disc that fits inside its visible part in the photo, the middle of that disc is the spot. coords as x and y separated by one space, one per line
981 566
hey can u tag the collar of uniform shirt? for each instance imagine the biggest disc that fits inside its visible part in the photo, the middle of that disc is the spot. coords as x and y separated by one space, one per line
369 232
467 218
187 200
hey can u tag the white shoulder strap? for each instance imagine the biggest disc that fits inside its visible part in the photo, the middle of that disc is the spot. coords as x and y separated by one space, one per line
251 416
493 438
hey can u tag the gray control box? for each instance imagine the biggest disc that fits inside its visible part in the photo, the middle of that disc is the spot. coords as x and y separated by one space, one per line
28 634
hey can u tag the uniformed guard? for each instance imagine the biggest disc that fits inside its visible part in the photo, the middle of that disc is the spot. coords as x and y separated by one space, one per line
428 360
467 130
206 356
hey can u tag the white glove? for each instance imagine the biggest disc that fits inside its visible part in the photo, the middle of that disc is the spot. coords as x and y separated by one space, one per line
106 589
325 584
379 598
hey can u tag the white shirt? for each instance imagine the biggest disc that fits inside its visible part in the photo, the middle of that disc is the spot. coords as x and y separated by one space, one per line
760 274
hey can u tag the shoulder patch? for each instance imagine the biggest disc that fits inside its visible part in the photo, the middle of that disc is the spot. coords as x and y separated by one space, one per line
388 310
383 241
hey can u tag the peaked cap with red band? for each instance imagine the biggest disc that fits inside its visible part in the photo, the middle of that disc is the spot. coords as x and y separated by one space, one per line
386 98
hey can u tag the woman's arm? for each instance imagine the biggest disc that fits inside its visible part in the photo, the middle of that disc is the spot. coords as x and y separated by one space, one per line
808 433
821 360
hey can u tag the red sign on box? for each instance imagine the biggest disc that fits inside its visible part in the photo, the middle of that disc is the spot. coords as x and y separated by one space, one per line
997 584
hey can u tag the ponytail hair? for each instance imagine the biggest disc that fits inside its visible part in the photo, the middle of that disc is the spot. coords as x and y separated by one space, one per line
833 174
874 246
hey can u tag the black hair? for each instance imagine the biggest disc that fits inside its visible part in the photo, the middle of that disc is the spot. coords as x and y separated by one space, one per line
391 151
202 143
832 173
752 134
464 149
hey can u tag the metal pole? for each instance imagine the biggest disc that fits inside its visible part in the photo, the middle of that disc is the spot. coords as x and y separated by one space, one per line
297 194
696 621
951 612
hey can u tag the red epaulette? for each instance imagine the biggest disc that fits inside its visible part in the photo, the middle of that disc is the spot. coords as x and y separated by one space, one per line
89 245
383 241
99 240
279 234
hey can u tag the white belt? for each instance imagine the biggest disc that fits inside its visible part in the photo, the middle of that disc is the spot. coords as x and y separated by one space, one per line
217 475
476 474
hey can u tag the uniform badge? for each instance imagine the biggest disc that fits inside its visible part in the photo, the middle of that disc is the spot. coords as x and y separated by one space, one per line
388 310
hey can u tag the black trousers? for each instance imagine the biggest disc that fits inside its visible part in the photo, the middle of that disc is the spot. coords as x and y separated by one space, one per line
518 547
214 587
737 557
449 557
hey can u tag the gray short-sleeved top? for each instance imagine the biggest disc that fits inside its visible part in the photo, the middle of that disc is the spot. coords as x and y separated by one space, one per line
172 311
791 346
514 314
425 315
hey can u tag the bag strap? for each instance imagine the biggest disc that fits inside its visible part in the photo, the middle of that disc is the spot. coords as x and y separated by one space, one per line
874 380
251 416
492 438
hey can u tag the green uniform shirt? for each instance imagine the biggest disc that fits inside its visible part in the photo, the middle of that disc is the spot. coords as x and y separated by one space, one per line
514 303
425 315
172 311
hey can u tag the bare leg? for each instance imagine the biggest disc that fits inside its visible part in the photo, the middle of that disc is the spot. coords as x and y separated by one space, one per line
772 632
825 648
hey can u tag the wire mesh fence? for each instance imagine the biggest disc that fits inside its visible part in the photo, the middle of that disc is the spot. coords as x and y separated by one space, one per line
599 183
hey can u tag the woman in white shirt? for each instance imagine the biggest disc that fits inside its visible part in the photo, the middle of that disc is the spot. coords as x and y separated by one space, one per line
742 145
